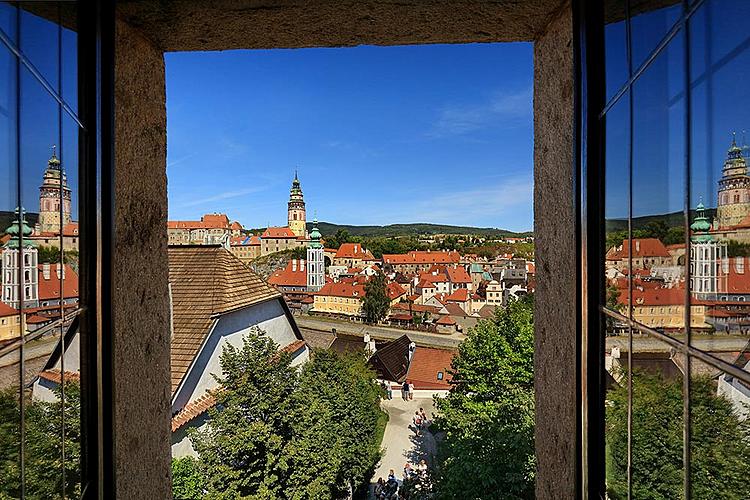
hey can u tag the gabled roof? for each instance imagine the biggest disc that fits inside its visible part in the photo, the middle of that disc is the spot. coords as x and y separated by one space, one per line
426 364
391 361
206 281
458 274
342 289
455 310
49 288
460 295
6 310
394 290
353 251
642 247
446 321
294 274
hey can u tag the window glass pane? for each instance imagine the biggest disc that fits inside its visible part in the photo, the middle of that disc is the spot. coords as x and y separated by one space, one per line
720 185
615 46
720 434
658 248
8 15
650 21
39 38
10 318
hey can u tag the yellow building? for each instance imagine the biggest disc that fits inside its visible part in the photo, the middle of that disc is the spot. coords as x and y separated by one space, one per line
664 308
297 218
246 248
339 298
10 322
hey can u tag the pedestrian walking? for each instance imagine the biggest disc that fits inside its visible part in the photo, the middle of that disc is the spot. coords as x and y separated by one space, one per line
417 421
405 391
424 417
411 391
389 389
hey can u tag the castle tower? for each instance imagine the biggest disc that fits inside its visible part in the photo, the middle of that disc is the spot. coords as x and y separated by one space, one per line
297 219
734 188
49 198
316 272
19 251
706 256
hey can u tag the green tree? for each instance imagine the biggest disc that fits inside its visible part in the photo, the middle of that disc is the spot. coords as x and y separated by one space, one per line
187 480
720 441
43 463
488 415
241 450
375 303
335 421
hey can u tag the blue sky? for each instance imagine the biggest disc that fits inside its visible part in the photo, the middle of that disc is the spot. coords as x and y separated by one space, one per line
436 133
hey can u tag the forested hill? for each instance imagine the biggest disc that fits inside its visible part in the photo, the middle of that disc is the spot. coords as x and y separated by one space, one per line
327 228
6 218
674 219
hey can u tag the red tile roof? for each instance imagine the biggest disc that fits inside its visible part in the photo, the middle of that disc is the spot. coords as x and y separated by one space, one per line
294 274
353 251
737 276
293 347
460 295
394 290
655 297
421 308
426 364
192 410
458 274
208 221
6 310
49 288
446 320
642 247
54 376
278 233
422 257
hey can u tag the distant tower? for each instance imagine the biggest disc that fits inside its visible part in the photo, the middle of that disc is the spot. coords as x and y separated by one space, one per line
734 188
49 197
297 217
706 257
316 272
17 254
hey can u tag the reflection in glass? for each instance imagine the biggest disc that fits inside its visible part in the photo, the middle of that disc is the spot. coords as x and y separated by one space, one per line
649 25
615 46
720 429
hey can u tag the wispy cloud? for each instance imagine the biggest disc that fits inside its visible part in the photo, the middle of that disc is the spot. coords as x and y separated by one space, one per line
180 160
460 120
226 195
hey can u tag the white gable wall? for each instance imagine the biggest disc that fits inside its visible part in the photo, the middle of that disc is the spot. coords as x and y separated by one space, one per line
230 328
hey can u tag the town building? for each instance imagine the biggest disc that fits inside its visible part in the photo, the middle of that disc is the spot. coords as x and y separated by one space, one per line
418 260
278 239
216 301
734 189
212 229
353 255
10 323
316 269
647 253
246 248
340 298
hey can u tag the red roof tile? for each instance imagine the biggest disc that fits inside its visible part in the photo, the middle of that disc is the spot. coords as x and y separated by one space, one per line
353 251
460 295
458 275
49 288
192 410
342 289
278 233
426 364
642 247
422 257
294 274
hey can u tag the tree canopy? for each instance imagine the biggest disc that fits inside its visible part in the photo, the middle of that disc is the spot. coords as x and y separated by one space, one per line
720 441
43 460
280 432
376 303
488 415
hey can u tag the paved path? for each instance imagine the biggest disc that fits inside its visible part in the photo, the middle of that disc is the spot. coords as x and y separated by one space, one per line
400 442
379 332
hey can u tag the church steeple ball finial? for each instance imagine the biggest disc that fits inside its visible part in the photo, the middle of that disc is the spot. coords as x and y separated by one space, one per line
53 161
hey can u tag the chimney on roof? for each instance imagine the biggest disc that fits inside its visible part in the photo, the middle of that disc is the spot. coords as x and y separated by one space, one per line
59 271
637 246
301 265
355 249
294 265
45 271
412 348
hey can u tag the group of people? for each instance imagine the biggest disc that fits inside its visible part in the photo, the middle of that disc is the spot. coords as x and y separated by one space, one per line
407 390
387 489
420 421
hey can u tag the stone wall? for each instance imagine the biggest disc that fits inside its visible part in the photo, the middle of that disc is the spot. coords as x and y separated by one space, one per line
140 272
555 312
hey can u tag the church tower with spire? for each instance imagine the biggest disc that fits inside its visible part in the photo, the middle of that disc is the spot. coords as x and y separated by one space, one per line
316 272
734 188
20 281
51 196
297 219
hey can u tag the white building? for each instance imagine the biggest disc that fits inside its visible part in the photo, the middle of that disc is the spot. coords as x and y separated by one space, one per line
316 268
21 252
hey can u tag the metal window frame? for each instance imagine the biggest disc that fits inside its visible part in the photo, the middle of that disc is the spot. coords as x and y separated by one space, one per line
591 109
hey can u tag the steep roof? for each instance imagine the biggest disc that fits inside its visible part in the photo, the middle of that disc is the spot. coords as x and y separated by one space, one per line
49 288
642 247
342 289
394 290
206 281
460 295
458 274
353 251
6 310
294 274
391 361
